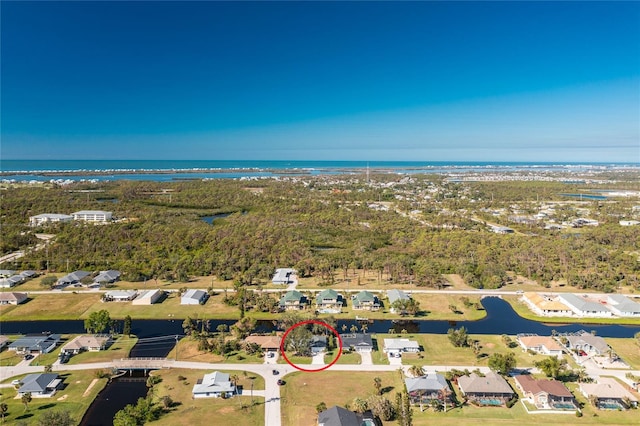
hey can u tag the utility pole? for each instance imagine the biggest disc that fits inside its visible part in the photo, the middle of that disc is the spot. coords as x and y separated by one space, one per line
176 347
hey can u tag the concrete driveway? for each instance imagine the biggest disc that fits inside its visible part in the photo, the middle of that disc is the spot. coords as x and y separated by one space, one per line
394 361
365 358
273 360
318 359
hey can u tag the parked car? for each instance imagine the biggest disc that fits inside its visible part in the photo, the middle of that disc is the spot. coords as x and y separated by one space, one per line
27 357
275 372
16 382
270 354
281 382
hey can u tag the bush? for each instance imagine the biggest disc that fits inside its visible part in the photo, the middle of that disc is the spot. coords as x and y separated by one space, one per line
578 413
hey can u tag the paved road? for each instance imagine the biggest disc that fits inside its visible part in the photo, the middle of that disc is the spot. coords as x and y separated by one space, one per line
271 392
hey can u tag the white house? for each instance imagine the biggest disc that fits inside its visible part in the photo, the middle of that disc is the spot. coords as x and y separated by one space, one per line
92 216
283 276
11 281
119 296
397 346
541 344
546 305
583 307
49 218
86 343
623 306
587 342
148 297
214 385
194 297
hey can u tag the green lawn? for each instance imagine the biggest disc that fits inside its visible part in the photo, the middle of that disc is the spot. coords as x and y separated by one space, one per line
188 411
295 359
71 398
188 351
627 349
41 307
345 358
304 391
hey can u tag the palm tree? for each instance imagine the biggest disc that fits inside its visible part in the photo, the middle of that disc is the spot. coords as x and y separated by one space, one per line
26 399
3 410
416 371
377 383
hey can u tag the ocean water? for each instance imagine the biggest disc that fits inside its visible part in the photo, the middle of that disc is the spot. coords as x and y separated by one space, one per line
168 170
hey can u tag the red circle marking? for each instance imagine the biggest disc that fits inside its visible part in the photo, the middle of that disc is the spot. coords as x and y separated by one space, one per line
333 330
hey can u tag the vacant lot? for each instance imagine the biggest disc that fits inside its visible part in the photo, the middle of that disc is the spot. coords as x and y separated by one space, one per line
627 349
51 307
188 351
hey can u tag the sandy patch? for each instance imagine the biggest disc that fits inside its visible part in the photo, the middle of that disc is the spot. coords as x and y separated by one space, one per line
86 392
490 345
62 398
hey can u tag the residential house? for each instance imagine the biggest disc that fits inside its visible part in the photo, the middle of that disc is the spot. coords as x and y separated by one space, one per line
491 389
358 342
318 344
546 305
119 296
546 394
148 297
395 295
338 416
587 342
541 344
584 307
40 385
86 343
398 346
365 300
267 343
12 298
11 281
72 278
283 276
194 297
427 388
92 216
214 385
40 344
26 275
107 277
328 301
49 218
623 306
609 394
293 301
5 273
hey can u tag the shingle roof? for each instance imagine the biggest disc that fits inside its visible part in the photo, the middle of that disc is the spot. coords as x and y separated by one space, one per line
533 386
109 276
491 383
328 293
214 382
595 341
394 295
37 382
356 340
429 382
581 304
338 416
607 387
534 341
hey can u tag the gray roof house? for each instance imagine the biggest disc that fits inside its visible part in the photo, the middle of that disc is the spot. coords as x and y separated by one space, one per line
194 297
358 342
11 281
394 295
41 385
283 276
214 385
28 274
400 345
318 344
365 300
587 342
492 389
40 343
73 278
109 276
328 301
431 386
338 416
583 307
623 306
4 273
293 300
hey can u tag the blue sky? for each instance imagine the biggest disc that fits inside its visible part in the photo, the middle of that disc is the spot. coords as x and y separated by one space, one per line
423 81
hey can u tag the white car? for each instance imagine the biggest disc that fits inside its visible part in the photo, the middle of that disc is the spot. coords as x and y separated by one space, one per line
16 382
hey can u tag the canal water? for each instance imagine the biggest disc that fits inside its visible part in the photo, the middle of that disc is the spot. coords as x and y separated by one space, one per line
158 337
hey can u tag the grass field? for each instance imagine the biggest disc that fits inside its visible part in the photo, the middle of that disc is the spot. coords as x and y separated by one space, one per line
71 398
346 358
304 391
188 411
9 358
627 349
41 307
188 351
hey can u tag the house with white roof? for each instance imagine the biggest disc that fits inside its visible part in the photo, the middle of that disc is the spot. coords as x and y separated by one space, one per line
283 276
92 216
583 307
119 296
398 346
49 218
194 297
148 297
214 385
11 281
623 306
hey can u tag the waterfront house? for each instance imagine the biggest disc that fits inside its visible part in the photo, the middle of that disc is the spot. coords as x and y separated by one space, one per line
148 297
194 297
214 385
546 305
73 278
42 385
283 276
583 307
92 343
268 343
545 394
489 390
107 277
328 301
587 342
358 342
12 298
338 416
393 296
541 344
49 218
623 306
365 300
398 346
38 344
427 388
293 301
609 394
119 296
92 216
